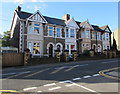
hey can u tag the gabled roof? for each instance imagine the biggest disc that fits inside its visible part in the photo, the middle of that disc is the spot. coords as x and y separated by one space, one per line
97 28
104 27
23 15
82 23
78 23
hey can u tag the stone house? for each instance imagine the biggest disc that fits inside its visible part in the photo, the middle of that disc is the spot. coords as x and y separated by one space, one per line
43 35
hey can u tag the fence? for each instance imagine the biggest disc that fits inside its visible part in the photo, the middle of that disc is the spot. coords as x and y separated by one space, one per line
12 59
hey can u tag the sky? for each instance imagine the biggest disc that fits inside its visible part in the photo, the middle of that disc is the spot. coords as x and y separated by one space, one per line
98 13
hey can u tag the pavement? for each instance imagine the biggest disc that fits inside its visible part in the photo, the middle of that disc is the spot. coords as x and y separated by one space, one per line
83 77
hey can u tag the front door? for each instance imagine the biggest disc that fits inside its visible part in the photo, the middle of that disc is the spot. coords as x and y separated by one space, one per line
51 50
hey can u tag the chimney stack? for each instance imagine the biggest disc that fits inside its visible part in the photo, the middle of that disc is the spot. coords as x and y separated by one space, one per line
18 8
66 17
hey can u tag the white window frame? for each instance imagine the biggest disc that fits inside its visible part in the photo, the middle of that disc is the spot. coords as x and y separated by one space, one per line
52 31
60 32
88 33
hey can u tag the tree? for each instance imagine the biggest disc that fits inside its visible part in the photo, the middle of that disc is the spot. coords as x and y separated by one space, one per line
114 46
6 39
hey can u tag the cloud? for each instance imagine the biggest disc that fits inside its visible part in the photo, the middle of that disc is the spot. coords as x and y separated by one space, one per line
19 1
37 7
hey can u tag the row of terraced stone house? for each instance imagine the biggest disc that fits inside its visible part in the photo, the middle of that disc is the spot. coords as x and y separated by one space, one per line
43 35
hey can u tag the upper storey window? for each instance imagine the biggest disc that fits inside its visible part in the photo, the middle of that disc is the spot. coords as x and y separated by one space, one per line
72 33
93 35
58 32
67 33
107 36
87 34
98 35
50 31
82 34
36 28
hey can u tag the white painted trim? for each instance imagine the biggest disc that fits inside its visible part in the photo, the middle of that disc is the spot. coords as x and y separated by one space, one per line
37 12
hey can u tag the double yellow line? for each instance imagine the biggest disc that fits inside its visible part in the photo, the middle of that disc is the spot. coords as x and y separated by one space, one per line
108 76
10 92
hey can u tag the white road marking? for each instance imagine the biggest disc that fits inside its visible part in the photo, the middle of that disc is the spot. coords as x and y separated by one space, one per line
84 65
76 79
39 91
49 84
96 75
70 85
30 88
72 68
108 62
86 76
8 73
50 89
67 81
17 74
36 73
86 88
57 70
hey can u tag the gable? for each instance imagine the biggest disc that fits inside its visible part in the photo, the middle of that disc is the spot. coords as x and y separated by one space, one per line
72 23
107 29
87 25
37 17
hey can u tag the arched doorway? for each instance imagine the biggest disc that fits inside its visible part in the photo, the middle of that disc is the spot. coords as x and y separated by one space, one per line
51 50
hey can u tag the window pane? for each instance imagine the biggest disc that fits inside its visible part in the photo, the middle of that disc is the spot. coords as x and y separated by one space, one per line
58 32
36 48
36 30
72 33
50 32
37 24
50 27
67 33
82 34
87 34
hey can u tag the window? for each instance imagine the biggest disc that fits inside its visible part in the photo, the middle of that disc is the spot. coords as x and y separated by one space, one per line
98 35
58 32
36 48
50 31
30 46
72 33
36 28
93 35
87 34
103 36
82 34
30 28
67 33
67 46
107 36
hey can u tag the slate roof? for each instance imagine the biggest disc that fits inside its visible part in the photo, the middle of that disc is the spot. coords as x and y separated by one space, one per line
23 15
50 20
56 21
97 28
